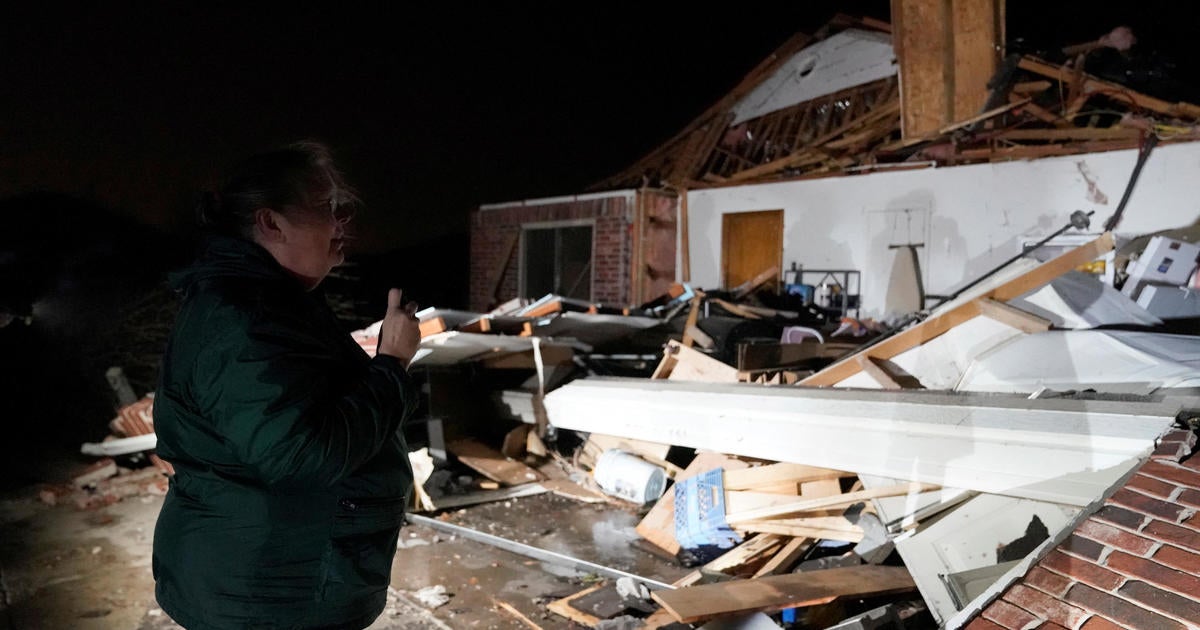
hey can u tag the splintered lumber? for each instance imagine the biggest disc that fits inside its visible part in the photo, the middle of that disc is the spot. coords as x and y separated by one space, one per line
492 463
432 326
752 284
570 490
693 314
887 374
488 496
739 556
1092 84
823 503
1006 314
508 608
564 608
817 527
786 558
681 363
658 527
938 324
770 594
759 476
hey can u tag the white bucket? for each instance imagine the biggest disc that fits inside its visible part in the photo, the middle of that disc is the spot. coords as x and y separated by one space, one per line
629 477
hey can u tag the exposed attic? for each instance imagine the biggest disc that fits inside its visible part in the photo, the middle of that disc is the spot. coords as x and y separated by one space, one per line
836 102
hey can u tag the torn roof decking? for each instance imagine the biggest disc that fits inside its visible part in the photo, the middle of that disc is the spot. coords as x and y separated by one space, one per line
830 104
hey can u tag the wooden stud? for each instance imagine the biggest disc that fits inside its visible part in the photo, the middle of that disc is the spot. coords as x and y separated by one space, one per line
1012 316
786 558
841 500
769 594
939 324
432 326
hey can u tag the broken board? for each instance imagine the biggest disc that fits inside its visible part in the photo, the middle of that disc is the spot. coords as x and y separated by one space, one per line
491 463
795 590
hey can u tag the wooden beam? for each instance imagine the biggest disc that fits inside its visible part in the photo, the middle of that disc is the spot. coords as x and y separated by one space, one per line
974 40
804 154
1012 316
1114 90
770 594
740 555
492 464
759 476
692 317
824 503
564 608
432 326
786 558
868 364
752 284
940 323
887 374
1071 133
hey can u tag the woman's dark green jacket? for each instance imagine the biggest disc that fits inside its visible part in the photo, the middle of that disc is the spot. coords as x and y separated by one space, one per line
291 474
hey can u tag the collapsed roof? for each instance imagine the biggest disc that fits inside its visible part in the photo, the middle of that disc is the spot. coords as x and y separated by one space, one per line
831 103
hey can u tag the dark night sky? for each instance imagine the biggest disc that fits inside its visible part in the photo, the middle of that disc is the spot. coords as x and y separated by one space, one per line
431 111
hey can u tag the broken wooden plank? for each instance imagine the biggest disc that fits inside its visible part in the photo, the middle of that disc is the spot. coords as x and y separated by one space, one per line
802 528
693 315
1093 84
740 555
518 615
786 558
563 607
1013 316
489 496
887 374
770 594
693 333
869 365
940 323
824 503
570 490
680 363
1071 133
757 477
491 463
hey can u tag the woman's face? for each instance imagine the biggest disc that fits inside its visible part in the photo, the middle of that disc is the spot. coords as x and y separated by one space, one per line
312 242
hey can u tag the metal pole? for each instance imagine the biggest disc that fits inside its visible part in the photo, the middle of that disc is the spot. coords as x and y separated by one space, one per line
534 552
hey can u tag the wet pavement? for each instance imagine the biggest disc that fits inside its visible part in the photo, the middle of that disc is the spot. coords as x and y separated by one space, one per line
65 568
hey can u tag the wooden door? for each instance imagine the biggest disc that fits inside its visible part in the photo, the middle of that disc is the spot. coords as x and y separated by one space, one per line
751 243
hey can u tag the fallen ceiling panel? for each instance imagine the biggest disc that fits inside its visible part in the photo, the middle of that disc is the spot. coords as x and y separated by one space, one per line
1069 451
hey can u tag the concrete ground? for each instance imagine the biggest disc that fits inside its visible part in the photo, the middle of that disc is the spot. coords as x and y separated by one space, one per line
61 567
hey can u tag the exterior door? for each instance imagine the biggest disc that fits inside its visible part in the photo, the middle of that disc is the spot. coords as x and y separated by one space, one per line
751 243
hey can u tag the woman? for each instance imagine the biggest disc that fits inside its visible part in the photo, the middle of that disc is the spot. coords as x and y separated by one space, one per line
291 476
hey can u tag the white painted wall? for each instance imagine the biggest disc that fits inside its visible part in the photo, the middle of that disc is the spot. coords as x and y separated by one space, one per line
970 218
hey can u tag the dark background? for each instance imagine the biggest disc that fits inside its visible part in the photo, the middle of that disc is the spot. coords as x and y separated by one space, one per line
112 118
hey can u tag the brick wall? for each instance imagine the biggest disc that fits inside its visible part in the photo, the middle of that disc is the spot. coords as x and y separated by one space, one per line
494 234
1133 564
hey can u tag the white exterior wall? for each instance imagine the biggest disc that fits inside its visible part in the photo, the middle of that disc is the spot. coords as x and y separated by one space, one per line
970 218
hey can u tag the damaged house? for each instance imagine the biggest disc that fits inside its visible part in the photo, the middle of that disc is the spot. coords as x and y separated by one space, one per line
900 333
880 170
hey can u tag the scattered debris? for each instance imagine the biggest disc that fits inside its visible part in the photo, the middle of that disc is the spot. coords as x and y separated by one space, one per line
433 596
